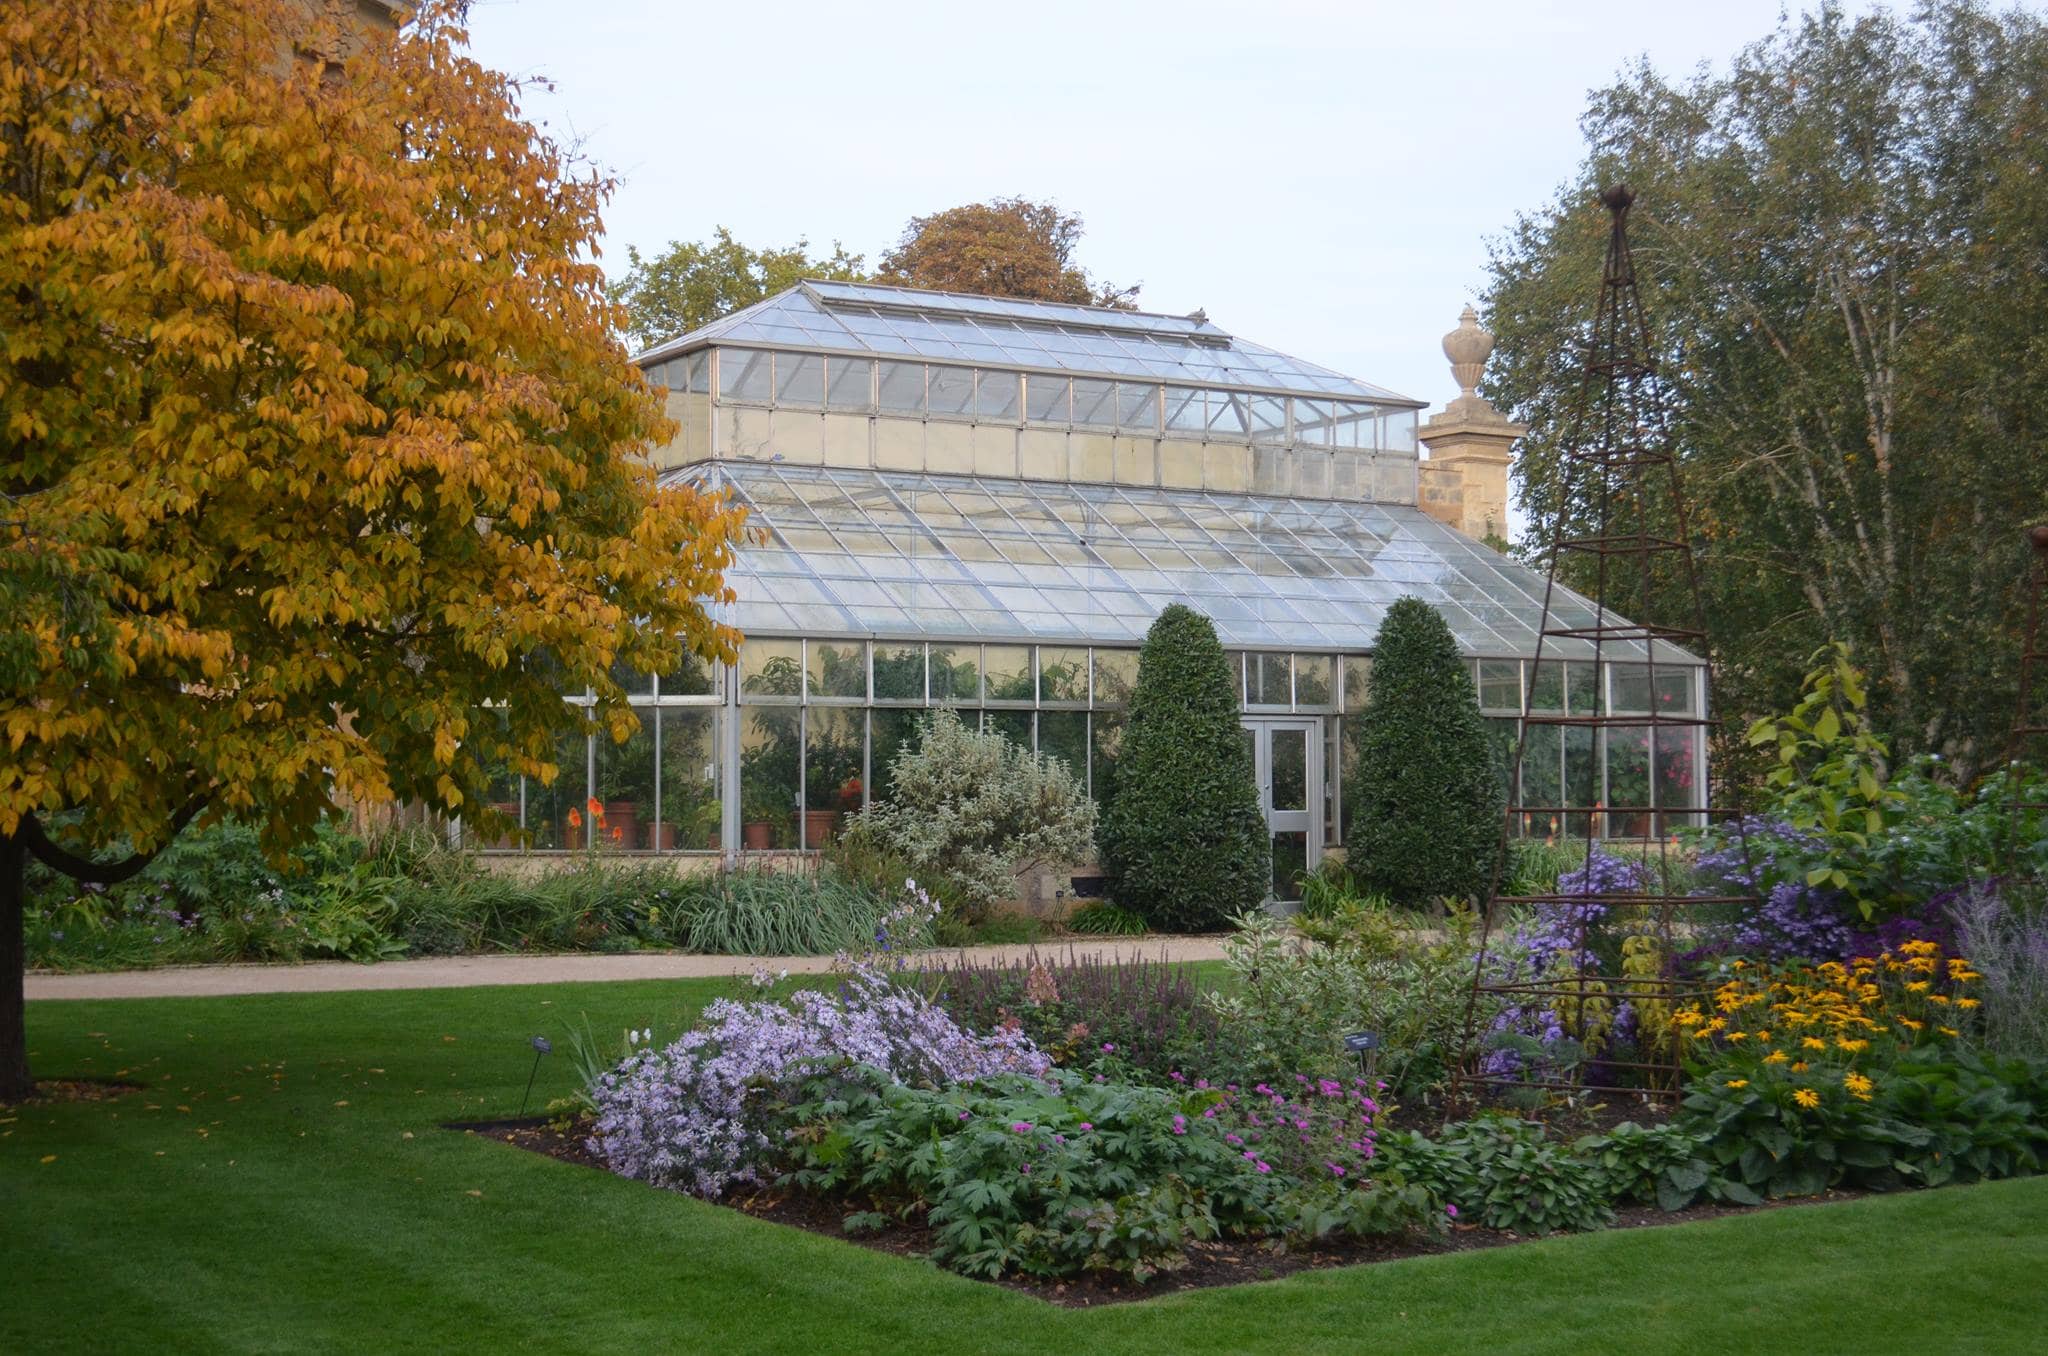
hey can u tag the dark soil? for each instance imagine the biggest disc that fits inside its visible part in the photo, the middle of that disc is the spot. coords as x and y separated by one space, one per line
1224 1262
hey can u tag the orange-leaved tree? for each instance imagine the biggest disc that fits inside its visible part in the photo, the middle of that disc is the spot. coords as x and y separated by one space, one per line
317 473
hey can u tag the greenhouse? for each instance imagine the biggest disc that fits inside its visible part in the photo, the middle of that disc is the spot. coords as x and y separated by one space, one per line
982 504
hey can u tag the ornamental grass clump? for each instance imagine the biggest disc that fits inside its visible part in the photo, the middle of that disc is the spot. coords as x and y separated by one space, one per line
704 1113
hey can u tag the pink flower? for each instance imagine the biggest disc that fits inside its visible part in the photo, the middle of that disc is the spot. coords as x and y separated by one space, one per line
1021 1128
1264 1167
1336 1169
1026 1169
1232 1139
1108 1049
1451 1210
1087 1125
964 1115
1180 1125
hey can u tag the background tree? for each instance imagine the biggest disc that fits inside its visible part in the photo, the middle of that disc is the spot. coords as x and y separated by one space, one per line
1009 247
1427 801
315 442
1843 244
690 284
1183 841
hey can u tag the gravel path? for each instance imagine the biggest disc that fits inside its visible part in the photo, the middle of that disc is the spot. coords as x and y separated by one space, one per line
460 972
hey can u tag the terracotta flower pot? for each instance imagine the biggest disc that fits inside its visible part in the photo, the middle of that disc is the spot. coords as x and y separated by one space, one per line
757 835
819 826
660 837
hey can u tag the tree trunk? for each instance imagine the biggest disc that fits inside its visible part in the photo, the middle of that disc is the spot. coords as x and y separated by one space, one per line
15 1084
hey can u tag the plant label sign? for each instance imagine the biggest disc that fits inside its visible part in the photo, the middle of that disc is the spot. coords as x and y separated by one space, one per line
1358 1042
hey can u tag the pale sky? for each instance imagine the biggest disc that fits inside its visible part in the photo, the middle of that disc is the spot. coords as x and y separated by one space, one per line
1321 178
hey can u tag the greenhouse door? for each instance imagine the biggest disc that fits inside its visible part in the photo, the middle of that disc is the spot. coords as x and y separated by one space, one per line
1287 758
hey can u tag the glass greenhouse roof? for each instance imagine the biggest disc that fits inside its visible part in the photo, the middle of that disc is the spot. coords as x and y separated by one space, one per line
1031 335
856 552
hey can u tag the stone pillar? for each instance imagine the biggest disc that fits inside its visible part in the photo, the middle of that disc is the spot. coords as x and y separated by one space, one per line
1465 480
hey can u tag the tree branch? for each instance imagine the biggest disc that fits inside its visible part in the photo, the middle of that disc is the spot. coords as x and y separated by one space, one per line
31 835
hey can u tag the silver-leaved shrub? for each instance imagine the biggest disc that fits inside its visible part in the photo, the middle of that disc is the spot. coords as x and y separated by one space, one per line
974 808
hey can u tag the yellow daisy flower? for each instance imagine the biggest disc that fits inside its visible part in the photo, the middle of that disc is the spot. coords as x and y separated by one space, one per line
1807 1098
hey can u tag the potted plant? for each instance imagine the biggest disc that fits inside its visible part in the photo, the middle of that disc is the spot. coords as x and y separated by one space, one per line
759 808
706 823
625 783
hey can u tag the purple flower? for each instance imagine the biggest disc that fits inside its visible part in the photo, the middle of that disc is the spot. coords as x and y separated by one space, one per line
1451 1210
1022 1127
1087 1125
1108 1049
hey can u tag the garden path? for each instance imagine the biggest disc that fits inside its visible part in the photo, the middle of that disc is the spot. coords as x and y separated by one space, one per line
460 972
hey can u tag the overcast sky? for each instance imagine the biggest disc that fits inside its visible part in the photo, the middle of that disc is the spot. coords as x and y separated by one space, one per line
1321 178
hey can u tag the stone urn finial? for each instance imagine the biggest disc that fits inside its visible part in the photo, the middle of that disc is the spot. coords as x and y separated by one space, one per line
1467 347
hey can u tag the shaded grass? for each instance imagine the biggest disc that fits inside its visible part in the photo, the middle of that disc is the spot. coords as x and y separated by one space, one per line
304 1217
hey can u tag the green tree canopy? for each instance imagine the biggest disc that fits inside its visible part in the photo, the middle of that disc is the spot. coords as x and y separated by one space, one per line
692 283
1843 243
1184 842
1427 806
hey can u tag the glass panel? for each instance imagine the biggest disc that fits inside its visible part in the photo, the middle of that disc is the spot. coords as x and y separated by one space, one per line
838 668
1543 781
1228 416
1094 403
771 668
1400 430
1500 685
835 756
1290 864
1581 775
502 796
1116 673
1045 399
1014 726
852 385
799 379
1062 675
1184 412
1675 777
1312 420
1268 680
1137 408
1268 417
1629 687
1628 781
1356 426
1581 689
556 814
693 677
1105 741
1674 690
625 787
690 800
956 675
950 390
899 672
697 372
1313 685
995 396
1064 735
771 746
1546 687
1357 681
1008 669
1290 769
902 387
635 683
893 731
743 374
1500 739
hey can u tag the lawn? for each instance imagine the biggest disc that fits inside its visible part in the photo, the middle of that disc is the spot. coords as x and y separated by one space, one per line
289 1190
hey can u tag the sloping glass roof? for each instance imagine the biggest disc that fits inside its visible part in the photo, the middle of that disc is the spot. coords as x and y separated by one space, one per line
855 552
1031 335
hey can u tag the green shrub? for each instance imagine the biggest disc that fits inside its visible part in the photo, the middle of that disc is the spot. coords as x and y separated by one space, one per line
1427 823
1106 918
1669 1166
969 810
1183 842
1533 865
784 913
1503 1174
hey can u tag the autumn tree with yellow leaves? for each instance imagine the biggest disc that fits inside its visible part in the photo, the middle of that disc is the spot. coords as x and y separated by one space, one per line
317 472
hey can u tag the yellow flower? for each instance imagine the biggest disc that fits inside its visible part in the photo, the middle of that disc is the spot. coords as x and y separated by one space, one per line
1736 1083
1918 986
1738 1036
1856 1083
1689 1017
1775 1057
1949 1031
1807 1098
1812 1043
1799 1066
1966 1002
1937 998
1852 1046
1910 1024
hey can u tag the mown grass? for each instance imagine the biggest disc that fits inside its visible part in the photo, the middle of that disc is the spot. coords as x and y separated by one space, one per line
282 1186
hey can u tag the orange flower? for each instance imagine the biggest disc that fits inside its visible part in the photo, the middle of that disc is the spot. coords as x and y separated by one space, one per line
575 820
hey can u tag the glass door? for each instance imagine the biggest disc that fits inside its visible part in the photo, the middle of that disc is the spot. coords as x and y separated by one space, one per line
1287 758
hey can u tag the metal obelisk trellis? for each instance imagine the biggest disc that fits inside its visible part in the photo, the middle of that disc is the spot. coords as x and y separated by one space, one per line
1622 515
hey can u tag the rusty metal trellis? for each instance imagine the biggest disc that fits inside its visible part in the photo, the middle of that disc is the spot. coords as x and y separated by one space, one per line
1622 515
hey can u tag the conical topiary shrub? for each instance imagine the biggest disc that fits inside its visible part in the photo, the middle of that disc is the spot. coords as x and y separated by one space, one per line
1426 818
1183 842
